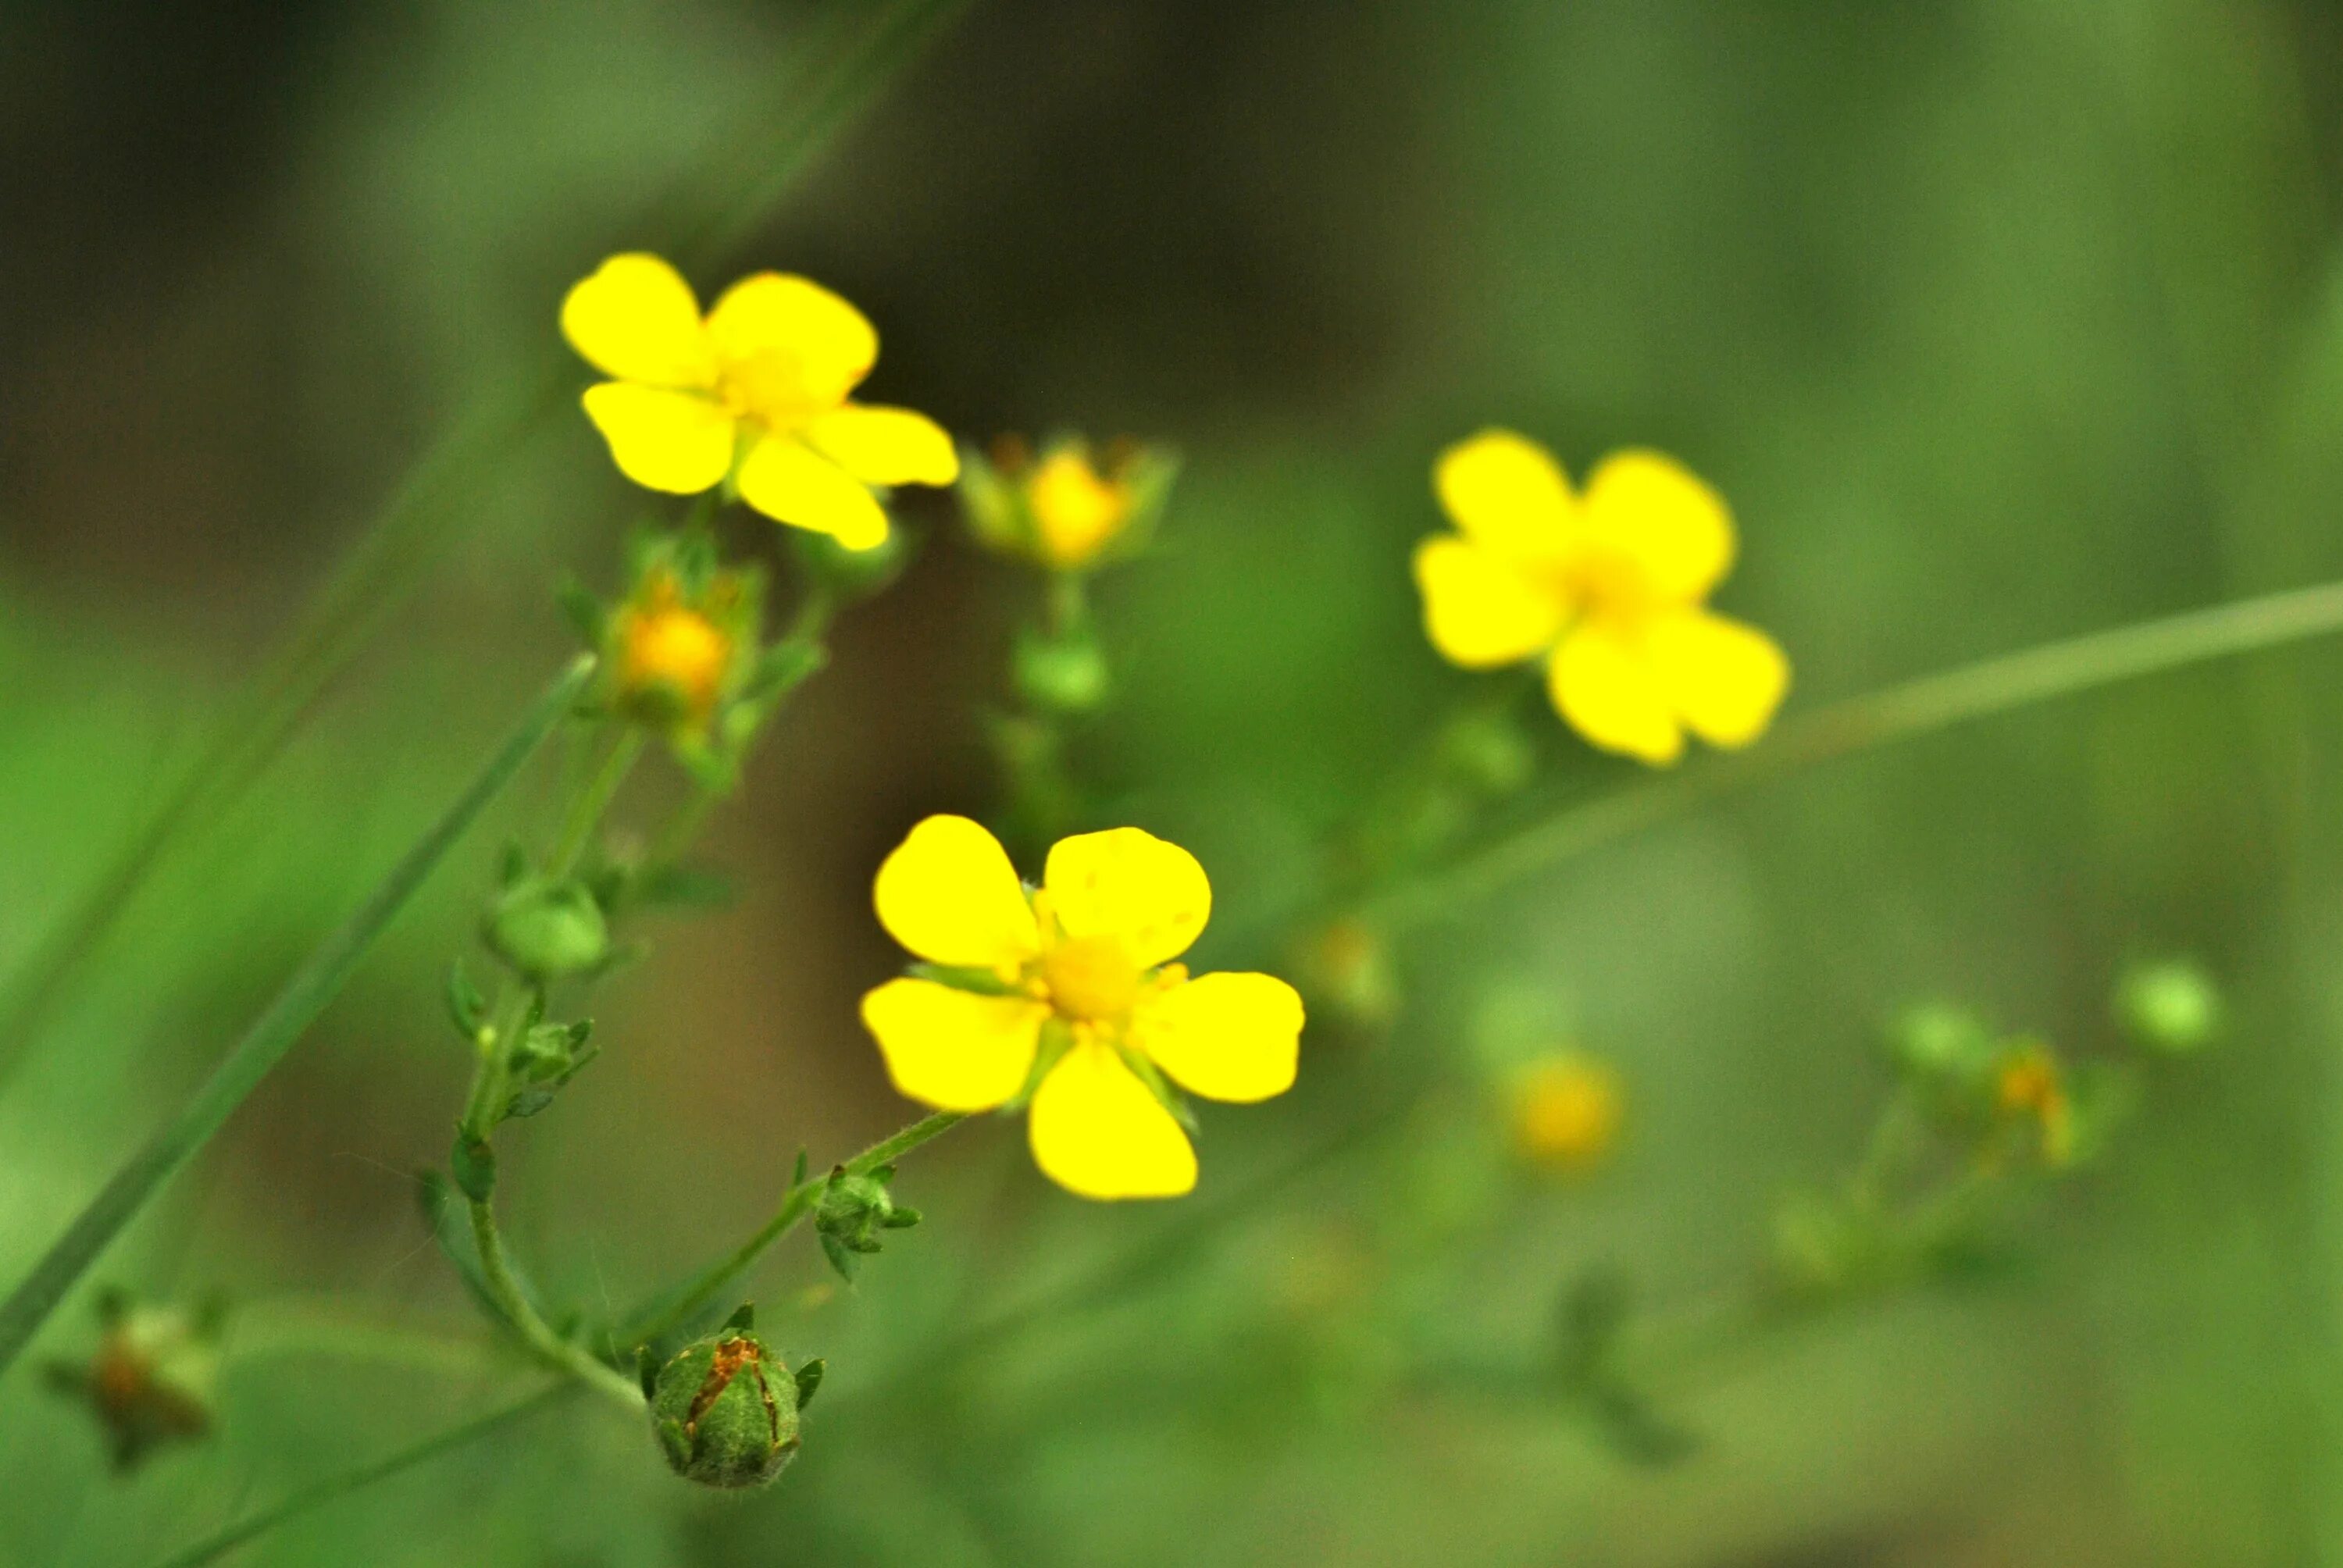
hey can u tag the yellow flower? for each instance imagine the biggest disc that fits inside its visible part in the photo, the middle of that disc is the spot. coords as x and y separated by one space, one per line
1565 1111
1608 585
2028 1084
757 392
1086 958
1070 511
672 655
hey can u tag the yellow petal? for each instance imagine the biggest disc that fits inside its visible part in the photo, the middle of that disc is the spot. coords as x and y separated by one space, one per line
635 318
1481 609
1603 682
949 894
791 482
1504 491
1653 510
1128 884
1724 678
1224 1036
1098 1131
953 1049
885 446
830 344
679 442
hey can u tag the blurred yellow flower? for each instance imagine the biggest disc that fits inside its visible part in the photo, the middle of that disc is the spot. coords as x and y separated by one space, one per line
1608 585
1071 509
2030 1084
671 654
1086 961
1566 1110
756 392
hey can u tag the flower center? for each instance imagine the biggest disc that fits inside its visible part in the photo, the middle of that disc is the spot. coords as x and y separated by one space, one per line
1074 509
1607 582
1091 980
771 387
677 648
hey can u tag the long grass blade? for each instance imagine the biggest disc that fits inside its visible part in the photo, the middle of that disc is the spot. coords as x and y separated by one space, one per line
273 1034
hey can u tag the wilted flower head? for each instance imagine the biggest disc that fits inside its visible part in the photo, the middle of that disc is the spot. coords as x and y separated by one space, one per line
1071 509
757 392
1608 585
1082 967
153 1378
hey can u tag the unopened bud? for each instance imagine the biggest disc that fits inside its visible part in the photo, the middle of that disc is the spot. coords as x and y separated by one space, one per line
2172 1007
547 929
725 1409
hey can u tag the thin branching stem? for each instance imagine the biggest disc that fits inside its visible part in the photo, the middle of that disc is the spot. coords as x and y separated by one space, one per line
495 1271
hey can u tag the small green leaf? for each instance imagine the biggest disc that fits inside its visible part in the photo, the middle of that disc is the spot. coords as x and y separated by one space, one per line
809 1380
474 1163
840 1256
465 1006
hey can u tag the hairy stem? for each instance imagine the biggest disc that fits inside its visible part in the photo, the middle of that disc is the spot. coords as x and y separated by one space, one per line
495 1269
795 1203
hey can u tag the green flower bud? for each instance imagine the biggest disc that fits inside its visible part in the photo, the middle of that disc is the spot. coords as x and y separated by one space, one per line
546 928
725 1409
1938 1041
2172 1007
1065 674
853 1210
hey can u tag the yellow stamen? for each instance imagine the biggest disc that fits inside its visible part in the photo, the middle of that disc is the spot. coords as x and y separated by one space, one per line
1091 980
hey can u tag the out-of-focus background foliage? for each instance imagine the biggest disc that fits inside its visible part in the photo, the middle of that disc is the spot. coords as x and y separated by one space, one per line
1996 320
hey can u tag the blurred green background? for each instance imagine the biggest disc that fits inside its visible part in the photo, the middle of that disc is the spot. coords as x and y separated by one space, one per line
1996 320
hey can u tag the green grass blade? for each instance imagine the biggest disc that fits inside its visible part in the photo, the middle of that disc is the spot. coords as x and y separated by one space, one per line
265 1044
212 1548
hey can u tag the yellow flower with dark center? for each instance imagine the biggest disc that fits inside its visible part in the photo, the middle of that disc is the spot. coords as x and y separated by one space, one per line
1566 1111
756 392
1607 585
1088 959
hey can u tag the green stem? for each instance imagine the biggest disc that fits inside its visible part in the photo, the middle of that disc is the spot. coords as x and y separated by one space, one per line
271 1328
308 1499
495 1270
795 1205
1923 707
271 1036
586 808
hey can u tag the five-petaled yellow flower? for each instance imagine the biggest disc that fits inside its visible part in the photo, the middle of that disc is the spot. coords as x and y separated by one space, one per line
1607 585
757 392
1082 966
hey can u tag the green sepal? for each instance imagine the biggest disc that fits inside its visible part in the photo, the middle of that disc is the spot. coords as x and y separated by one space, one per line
809 1381
1170 1099
473 1161
467 1008
982 981
513 864
647 1370
841 1257
798 1175
1054 1041
781 666
743 1318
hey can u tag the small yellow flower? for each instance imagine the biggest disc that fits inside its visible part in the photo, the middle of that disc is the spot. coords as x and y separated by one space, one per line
2029 1085
671 655
1607 585
1089 956
1565 1111
756 392
1071 509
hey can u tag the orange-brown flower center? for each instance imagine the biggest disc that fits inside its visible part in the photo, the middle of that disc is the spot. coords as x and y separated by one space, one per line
1091 980
677 648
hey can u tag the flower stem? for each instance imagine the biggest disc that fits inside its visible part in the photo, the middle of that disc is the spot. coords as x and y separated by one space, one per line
586 809
795 1203
271 1036
495 1269
1917 708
